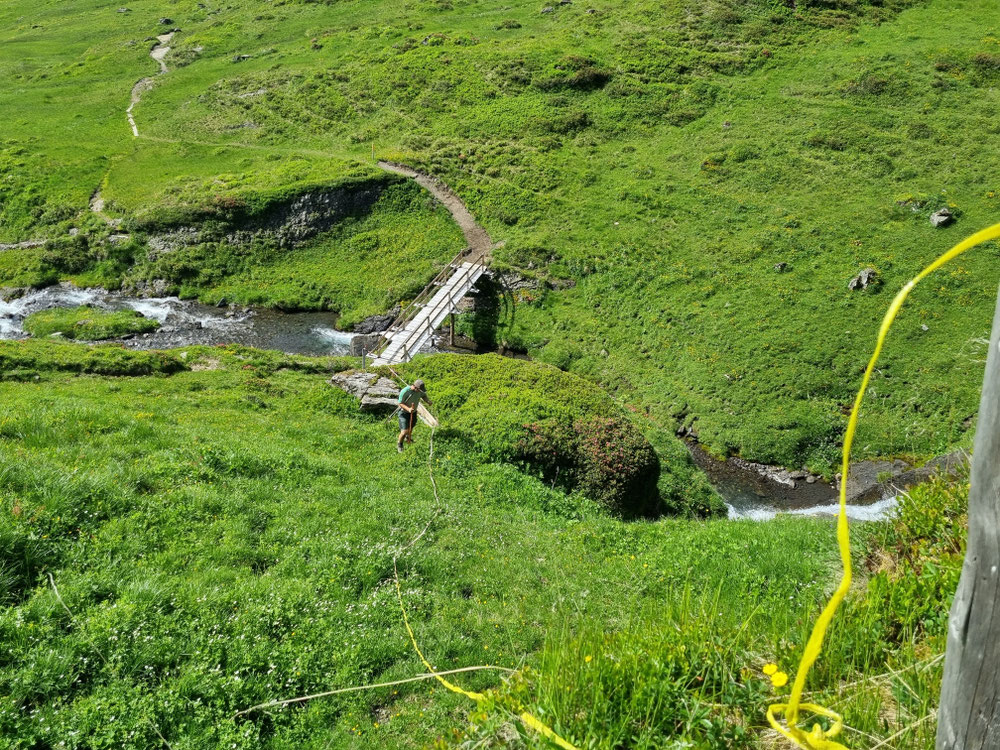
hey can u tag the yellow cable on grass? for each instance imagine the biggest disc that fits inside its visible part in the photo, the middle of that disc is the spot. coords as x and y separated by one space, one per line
816 738
527 719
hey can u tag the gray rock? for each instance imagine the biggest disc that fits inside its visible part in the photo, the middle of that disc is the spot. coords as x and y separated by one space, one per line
923 327
868 277
155 288
124 10
377 395
515 282
354 383
548 9
810 480
73 232
117 239
364 342
782 266
241 58
381 398
166 21
377 323
161 244
942 217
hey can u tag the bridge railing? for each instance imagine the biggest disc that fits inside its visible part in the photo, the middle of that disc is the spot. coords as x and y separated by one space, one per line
420 301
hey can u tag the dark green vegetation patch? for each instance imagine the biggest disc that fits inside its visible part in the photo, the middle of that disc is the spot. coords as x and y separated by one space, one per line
564 428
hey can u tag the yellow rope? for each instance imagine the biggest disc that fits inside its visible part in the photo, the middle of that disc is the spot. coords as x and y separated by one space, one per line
527 719
816 738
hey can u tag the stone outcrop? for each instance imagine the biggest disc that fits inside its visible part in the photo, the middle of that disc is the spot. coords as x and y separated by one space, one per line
942 217
377 394
865 279
289 223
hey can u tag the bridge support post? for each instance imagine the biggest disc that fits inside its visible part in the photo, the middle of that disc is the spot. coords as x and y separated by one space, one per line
451 331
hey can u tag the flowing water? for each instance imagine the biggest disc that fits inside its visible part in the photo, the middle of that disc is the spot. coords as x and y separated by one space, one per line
184 323
752 493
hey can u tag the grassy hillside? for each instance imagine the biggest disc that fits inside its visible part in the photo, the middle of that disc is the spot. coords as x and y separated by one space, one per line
222 532
664 156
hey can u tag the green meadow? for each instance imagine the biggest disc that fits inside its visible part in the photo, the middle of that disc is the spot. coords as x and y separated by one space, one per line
683 190
663 157
189 534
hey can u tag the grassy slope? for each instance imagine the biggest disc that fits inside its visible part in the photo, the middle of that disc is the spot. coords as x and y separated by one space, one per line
670 222
225 537
363 266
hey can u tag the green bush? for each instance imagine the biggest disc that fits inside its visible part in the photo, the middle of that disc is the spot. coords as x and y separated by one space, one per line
606 458
67 254
565 429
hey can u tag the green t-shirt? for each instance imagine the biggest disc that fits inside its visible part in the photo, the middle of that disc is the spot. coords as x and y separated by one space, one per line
410 396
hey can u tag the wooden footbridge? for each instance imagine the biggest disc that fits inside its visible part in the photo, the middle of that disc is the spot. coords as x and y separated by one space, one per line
415 326
413 329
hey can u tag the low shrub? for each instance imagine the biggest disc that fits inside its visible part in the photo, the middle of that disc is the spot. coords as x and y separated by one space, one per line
564 429
606 458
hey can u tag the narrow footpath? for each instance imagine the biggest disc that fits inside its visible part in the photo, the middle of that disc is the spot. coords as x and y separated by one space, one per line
476 237
158 53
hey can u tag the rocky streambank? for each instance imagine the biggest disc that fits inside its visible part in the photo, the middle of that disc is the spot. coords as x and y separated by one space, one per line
755 490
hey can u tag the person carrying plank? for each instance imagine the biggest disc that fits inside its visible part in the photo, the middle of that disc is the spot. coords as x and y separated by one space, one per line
409 400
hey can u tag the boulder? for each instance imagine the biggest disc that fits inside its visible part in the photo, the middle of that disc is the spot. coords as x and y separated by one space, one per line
865 279
782 266
377 395
354 383
381 398
377 323
548 9
364 341
166 21
942 217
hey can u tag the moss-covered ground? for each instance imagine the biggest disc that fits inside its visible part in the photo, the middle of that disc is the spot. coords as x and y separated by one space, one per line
87 323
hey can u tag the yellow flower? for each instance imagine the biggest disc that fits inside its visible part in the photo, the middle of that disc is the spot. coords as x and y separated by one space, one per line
770 669
779 679
587 658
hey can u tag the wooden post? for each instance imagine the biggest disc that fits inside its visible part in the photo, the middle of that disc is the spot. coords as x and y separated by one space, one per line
969 716
451 334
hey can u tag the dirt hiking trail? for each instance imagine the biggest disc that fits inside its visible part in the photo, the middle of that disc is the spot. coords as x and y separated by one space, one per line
476 236
158 53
